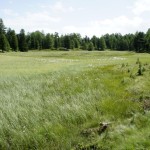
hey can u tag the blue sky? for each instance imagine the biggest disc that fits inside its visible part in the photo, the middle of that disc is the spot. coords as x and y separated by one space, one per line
87 17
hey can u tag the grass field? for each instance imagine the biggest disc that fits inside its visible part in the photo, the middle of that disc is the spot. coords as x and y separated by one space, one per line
57 100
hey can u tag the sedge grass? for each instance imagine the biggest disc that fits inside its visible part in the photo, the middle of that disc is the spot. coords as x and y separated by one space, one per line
48 98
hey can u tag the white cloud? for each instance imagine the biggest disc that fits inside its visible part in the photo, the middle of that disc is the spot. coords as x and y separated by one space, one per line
58 7
32 21
10 2
71 29
63 18
9 12
121 24
81 8
141 6
71 9
41 17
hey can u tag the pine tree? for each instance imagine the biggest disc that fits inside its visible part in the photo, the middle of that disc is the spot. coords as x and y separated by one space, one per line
56 40
2 27
12 39
147 41
139 42
49 42
4 44
67 42
84 45
91 46
32 41
102 43
76 43
22 41
72 46
39 40
94 40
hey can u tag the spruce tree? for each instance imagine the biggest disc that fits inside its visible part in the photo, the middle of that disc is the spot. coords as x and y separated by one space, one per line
56 40
147 41
49 42
102 43
2 27
139 42
91 46
4 44
67 42
22 41
12 38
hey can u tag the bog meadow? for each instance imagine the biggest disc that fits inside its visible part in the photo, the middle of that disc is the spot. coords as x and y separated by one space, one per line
74 100
67 91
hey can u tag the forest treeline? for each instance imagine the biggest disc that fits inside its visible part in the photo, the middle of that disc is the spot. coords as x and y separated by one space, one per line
10 41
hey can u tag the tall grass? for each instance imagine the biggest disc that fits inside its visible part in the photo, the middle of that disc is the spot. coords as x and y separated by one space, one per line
48 98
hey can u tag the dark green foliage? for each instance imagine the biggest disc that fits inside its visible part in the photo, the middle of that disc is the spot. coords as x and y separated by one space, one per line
85 42
4 44
139 73
138 61
130 38
124 44
123 65
68 44
12 38
39 40
49 41
91 46
102 43
75 40
139 42
76 43
147 41
22 41
141 69
2 27
95 40
31 40
56 40
113 42
84 46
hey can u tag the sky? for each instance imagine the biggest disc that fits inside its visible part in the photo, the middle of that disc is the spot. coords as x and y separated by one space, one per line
87 17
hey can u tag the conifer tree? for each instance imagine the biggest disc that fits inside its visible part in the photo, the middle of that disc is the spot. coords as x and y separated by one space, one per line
147 41
12 39
49 42
4 44
102 43
22 41
91 46
2 27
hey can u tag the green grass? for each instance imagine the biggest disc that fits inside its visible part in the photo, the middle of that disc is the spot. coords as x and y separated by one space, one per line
48 98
